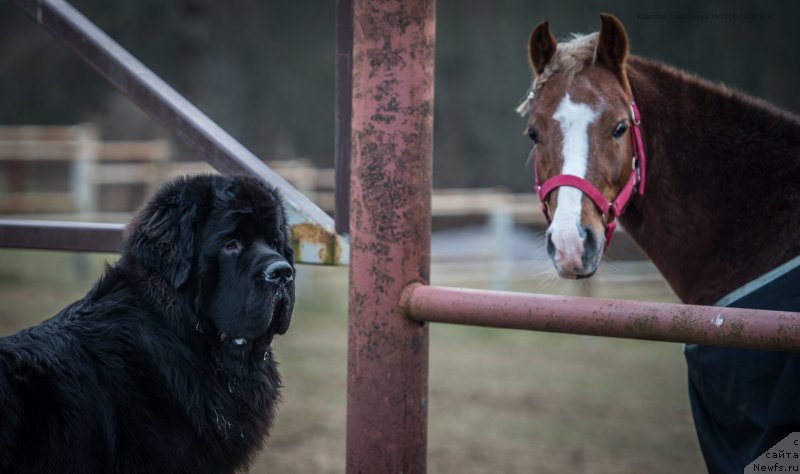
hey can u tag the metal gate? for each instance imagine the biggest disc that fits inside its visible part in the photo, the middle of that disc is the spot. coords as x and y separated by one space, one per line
390 299
315 237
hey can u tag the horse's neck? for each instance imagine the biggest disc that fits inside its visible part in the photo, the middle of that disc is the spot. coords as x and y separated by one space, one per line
722 204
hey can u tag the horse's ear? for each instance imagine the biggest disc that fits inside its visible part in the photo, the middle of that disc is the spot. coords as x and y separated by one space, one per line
612 45
541 47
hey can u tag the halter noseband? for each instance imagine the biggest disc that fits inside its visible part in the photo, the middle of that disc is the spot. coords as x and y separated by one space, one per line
609 210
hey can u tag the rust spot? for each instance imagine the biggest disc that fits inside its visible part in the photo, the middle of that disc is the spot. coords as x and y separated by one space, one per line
643 326
605 326
552 323
307 235
734 332
685 326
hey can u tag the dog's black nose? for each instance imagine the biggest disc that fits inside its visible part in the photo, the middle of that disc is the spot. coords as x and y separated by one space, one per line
279 272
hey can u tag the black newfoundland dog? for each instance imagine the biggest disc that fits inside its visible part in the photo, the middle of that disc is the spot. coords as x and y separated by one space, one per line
165 365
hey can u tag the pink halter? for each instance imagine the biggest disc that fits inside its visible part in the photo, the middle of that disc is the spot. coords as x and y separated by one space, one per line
609 210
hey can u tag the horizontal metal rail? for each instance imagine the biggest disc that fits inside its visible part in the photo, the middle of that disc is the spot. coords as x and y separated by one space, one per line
708 325
57 235
314 232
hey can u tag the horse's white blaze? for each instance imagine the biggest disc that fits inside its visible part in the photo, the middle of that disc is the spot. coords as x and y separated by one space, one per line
574 119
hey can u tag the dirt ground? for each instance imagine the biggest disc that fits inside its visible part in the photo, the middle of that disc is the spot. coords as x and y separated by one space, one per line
500 401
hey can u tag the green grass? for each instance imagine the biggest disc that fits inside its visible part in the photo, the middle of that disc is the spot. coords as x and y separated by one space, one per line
500 400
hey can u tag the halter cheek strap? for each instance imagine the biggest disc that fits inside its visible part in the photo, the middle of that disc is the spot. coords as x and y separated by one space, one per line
608 209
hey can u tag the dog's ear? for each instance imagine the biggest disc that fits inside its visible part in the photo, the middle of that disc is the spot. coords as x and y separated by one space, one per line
163 234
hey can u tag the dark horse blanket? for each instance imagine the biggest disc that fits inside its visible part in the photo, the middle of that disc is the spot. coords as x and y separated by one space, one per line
745 401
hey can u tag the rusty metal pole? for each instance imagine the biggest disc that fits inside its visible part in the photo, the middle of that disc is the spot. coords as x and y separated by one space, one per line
392 145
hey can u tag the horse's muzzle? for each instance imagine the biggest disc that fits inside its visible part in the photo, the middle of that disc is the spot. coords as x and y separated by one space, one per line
576 257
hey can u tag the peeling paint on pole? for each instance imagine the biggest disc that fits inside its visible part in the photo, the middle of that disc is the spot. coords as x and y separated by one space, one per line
392 145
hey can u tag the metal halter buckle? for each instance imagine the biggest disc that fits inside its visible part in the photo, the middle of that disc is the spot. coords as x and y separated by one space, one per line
634 120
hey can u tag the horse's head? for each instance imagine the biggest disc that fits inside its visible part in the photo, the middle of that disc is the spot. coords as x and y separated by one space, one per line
580 119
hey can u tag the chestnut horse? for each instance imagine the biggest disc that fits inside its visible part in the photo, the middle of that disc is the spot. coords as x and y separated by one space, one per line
704 179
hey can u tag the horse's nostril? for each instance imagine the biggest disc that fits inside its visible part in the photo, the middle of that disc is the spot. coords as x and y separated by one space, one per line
279 272
551 247
589 239
589 246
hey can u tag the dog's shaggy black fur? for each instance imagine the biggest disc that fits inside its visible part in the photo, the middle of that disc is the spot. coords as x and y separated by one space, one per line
165 365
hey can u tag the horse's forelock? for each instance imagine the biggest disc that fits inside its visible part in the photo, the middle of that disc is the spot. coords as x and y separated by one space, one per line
570 58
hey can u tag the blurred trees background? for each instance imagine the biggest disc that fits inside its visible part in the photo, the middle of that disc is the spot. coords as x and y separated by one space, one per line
264 70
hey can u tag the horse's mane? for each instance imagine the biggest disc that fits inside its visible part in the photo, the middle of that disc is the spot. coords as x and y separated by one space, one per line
570 58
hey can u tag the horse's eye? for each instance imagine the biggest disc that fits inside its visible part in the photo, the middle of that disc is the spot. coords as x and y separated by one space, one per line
233 246
533 134
620 129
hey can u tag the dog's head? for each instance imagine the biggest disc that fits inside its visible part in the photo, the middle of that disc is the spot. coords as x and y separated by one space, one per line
220 244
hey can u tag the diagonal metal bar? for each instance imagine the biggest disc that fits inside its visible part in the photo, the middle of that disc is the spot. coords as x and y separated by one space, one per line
313 230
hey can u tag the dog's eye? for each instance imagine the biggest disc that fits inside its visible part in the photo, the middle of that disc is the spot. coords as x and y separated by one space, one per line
275 243
233 246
